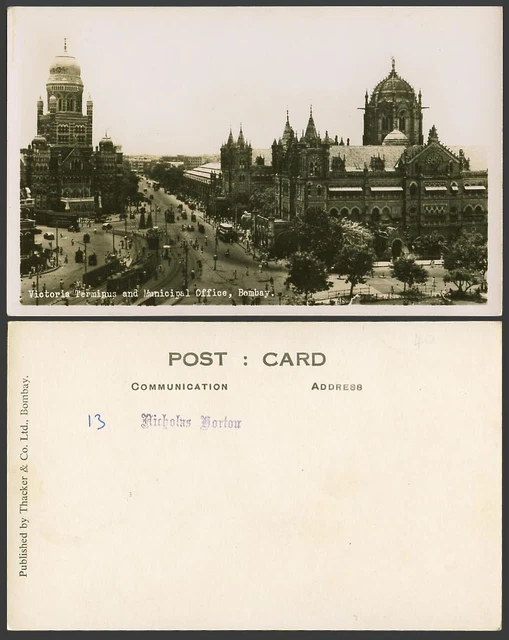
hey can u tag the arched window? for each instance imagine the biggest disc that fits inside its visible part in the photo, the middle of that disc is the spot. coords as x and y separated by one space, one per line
385 123
479 210
402 121
308 189
319 190
468 210
355 214
413 190
344 212
375 215
70 105
386 213
334 212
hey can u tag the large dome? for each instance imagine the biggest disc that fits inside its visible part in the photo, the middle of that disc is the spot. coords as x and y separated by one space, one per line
392 84
65 69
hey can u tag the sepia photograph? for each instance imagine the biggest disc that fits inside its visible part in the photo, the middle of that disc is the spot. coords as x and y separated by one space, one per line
254 161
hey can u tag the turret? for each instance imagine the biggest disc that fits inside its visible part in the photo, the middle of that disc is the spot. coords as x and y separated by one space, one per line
40 106
240 141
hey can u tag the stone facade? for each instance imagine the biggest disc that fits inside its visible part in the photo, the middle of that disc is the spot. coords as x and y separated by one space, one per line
394 180
61 166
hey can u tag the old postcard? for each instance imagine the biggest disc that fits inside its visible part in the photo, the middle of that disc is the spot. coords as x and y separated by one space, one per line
261 476
254 161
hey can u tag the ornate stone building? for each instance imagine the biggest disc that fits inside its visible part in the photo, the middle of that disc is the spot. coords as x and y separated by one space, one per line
61 167
393 180
240 174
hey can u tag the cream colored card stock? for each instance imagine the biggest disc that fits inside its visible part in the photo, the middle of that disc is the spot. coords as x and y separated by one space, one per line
254 476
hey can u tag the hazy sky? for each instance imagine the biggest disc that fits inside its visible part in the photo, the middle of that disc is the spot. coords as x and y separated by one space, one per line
173 80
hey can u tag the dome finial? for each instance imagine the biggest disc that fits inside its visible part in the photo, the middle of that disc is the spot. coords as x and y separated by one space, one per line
310 110
65 45
287 116
393 65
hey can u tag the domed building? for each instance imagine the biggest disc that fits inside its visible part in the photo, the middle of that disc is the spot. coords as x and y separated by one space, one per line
393 105
395 180
66 176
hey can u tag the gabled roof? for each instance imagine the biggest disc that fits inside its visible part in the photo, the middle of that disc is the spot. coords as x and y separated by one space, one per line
357 157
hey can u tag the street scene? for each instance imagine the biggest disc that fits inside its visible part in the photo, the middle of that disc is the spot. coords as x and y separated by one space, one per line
236 276
387 205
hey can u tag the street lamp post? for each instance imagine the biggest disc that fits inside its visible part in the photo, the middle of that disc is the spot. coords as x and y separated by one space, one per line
37 285
56 235
186 251
215 252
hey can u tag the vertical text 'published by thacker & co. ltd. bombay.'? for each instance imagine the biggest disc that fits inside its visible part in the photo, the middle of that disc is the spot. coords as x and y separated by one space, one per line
22 501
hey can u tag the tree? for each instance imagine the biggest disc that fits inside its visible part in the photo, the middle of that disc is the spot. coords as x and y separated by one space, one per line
430 246
129 183
263 201
466 261
319 233
307 274
407 271
356 256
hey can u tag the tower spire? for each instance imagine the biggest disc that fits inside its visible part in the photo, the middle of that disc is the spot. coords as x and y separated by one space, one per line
393 62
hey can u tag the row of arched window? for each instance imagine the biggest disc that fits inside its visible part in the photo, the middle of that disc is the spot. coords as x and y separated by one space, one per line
377 214
68 104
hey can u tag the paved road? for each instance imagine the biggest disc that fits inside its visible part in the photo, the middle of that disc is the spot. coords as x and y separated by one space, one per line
235 274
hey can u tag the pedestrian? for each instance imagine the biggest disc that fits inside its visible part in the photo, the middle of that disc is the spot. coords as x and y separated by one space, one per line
271 280
266 286
66 260
235 274
61 283
260 267
247 272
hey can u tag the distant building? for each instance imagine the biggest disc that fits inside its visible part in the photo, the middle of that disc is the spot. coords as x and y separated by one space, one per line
142 164
61 167
204 183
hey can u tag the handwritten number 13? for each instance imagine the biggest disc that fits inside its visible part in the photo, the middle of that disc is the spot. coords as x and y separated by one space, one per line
98 420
